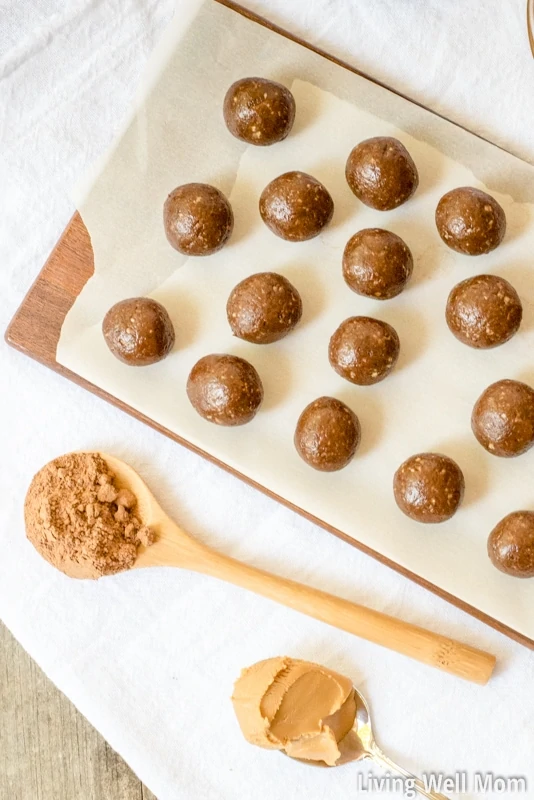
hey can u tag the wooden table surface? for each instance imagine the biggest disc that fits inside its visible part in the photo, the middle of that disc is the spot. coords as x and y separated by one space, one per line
48 750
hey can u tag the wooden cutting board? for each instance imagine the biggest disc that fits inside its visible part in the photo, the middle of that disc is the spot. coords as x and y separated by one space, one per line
36 327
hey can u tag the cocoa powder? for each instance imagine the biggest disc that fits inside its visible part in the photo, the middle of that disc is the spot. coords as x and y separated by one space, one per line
80 521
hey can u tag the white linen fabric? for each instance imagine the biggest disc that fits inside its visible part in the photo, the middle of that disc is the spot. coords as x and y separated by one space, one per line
150 657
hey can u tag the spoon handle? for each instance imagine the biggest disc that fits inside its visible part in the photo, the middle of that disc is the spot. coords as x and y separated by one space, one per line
530 23
431 648
376 755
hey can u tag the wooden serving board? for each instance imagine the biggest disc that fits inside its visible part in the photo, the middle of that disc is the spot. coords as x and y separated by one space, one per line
36 327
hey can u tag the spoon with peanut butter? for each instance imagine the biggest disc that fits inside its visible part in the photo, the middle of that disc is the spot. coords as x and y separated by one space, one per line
312 714
91 515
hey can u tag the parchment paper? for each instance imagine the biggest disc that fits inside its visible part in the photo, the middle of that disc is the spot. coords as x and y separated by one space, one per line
176 135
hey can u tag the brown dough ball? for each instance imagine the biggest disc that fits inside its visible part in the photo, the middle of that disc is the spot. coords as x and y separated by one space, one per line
484 311
511 545
377 263
198 219
327 434
225 389
296 206
364 350
470 221
138 331
503 418
263 308
381 173
429 487
259 111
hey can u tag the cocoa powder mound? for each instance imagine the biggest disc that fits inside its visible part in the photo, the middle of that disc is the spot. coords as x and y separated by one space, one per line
80 521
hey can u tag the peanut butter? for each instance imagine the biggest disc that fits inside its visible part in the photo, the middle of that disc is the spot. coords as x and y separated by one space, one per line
296 706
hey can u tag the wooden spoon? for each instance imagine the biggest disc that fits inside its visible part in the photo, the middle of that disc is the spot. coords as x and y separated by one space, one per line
175 548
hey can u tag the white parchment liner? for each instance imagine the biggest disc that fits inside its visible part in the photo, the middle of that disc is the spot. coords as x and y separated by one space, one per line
177 135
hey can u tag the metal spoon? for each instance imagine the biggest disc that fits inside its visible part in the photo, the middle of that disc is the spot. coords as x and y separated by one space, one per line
359 744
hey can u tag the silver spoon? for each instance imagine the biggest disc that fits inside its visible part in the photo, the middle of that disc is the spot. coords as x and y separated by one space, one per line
359 744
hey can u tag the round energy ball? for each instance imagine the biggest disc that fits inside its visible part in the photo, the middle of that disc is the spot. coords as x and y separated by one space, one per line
381 173
198 219
470 221
259 111
138 331
225 389
503 418
429 487
364 350
263 308
377 263
511 545
296 206
484 311
327 434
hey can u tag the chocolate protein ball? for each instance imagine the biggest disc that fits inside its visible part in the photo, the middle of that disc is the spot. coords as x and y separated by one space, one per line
511 545
198 219
225 389
381 173
327 434
364 350
429 487
484 311
296 206
377 263
503 418
259 111
263 308
138 331
470 221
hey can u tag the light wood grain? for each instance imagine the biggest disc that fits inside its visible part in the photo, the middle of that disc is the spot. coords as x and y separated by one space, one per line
530 24
36 327
48 750
176 548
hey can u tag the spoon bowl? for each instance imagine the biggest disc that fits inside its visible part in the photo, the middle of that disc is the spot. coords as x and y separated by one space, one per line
359 744
174 547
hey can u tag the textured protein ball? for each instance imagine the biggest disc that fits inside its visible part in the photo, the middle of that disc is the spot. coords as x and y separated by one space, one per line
296 206
470 221
484 311
429 487
381 173
225 389
263 308
364 350
198 219
138 331
503 418
511 545
377 263
327 434
259 111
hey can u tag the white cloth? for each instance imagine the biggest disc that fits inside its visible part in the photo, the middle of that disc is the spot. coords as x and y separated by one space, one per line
130 650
